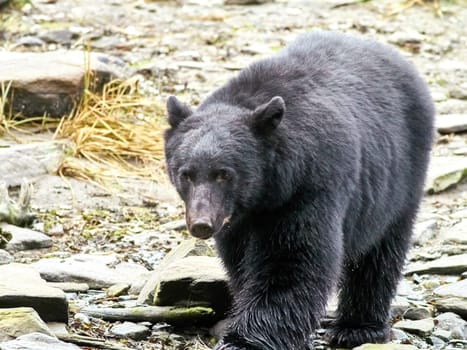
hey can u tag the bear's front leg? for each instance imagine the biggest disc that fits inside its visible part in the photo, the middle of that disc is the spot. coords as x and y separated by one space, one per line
286 277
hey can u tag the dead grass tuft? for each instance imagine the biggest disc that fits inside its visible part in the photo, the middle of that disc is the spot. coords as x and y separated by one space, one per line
117 133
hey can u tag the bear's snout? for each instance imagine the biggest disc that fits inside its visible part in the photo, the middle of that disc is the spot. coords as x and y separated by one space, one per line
202 228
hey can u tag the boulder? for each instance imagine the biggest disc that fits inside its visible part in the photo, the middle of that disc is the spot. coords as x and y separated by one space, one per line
51 83
21 285
98 271
15 322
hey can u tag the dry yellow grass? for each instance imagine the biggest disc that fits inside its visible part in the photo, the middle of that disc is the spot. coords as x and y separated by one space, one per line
118 132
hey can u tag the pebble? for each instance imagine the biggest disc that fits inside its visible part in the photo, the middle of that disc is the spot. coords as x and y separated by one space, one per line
5 257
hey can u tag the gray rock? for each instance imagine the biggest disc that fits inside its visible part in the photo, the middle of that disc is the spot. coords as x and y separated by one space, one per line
436 342
385 347
29 41
450 265
117 289
130 330
37 341
15 322
194 281
36 89
189 247
61 36
453 324
25 239
442 334
418 313
452 298
69 287
455 234
459 91
399 306
420 327
445 172
424 231
399 335
21 285
246 2
94 270
30 161
451 123
5 257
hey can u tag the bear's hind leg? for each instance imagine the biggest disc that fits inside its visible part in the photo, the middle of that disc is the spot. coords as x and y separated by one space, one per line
367 289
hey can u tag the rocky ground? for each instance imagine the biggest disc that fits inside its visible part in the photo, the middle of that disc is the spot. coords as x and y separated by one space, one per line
97 260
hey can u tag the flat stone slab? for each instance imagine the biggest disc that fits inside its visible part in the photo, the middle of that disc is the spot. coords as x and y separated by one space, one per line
21 285
15 322
25 239
420 327
37 341
52 82
445 172
98 271
452 298
451 123
30 161
130 330
385 347
449 265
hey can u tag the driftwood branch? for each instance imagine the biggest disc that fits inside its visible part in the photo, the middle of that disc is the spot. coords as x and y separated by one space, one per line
177 316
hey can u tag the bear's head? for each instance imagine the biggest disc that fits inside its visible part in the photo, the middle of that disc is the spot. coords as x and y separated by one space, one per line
218 158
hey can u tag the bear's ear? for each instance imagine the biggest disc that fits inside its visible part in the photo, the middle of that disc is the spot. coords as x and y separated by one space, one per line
267 117
177 111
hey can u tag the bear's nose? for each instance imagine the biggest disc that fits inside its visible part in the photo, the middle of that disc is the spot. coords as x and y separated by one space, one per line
202 229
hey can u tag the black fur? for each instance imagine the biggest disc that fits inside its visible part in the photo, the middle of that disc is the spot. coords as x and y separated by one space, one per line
318 190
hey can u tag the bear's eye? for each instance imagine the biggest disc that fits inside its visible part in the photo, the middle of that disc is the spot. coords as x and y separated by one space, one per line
185 175
222 175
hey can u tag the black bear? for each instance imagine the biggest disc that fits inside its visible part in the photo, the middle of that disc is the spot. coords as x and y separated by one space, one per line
307 169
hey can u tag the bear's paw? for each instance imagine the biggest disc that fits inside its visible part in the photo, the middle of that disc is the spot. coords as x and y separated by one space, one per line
352 336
